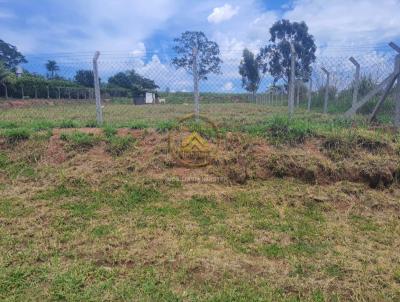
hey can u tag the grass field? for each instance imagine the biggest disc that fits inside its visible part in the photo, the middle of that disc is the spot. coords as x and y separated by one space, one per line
306 210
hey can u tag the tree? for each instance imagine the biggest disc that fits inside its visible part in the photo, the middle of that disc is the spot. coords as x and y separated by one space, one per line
84 78
52 67
199 57
249 69
10 56
275 57
4 75
133 81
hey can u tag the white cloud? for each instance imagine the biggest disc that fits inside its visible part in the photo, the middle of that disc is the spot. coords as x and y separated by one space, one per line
138 51
348 23
110 26
228 86
222 13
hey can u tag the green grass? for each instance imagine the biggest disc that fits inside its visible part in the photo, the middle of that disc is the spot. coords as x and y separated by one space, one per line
87 229
80 140
117 145
15 135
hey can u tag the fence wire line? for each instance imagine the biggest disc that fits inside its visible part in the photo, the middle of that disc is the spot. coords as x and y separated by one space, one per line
177 85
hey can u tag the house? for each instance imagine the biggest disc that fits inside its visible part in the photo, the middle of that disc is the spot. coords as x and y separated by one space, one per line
146 98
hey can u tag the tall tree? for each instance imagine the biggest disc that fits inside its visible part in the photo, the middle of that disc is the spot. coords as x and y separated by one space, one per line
4 75
10 56
249 69
52 67
199 57
275 57
132 80
84 78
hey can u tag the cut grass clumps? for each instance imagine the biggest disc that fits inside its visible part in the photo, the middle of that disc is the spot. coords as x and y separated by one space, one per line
282 130
164 126
341 144
109 131
138 125
68 124
117 145
79 140
15 135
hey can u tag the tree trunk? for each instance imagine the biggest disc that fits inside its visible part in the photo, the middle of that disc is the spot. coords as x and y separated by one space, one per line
196 85
5 90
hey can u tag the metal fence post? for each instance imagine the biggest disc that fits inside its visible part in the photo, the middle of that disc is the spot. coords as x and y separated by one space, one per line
309 95
326 90
397 89
356 80
99 112
292 79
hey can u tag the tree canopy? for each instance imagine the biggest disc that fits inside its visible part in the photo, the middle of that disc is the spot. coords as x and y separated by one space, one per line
84 78
250 71
208 60
4 73
133 81
10 56
52 67
275 57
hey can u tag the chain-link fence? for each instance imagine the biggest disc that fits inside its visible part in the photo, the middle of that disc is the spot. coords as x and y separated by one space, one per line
65 92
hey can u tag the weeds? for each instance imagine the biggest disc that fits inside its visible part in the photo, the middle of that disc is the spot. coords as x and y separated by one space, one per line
116 145
15 135
138 125
79 140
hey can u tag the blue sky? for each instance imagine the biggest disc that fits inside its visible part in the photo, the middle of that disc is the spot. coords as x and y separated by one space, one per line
146 28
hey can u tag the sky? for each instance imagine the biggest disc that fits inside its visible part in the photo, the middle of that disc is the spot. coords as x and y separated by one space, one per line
145 29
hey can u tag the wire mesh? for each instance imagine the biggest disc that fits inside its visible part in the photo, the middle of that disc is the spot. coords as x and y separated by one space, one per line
67 93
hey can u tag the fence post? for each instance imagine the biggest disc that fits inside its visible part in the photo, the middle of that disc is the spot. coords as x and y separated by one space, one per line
309 95
397 89
99 112
356 79
292 79
326 90
48 92
59 92
35 92
22 92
